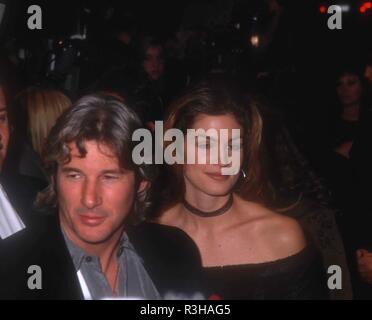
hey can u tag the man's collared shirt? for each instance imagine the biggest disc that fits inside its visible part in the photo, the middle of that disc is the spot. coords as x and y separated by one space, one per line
133 280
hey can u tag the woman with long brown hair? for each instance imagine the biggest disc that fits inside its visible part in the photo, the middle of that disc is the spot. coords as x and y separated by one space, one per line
248 250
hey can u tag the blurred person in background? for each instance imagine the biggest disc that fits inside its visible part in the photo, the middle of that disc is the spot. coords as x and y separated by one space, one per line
18 192
343 161
159 82
368 70
339 129
40 108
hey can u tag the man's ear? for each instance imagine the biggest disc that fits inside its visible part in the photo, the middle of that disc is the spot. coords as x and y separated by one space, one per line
143 186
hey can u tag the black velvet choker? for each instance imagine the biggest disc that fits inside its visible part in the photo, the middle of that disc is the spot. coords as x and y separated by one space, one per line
209 214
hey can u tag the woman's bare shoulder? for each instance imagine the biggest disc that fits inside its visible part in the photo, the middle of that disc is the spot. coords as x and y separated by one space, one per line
283 233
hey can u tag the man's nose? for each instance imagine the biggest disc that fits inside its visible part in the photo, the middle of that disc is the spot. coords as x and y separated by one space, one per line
91 196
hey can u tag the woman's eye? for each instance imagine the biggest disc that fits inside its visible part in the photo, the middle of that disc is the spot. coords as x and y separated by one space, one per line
204 146
203 143
235 147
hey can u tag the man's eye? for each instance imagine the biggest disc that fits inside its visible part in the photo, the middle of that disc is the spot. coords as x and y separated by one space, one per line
110 177
73 176
3 118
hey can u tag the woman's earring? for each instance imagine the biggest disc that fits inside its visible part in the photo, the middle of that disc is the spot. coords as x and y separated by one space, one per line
243 173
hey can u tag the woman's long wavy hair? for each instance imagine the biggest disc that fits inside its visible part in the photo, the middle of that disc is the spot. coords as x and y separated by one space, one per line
277 174
101 118
217 97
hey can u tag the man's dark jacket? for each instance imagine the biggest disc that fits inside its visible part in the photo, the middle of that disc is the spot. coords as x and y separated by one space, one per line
21 191
169 256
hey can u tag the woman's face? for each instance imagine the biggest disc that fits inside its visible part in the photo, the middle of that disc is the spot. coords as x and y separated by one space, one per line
349 89
226 148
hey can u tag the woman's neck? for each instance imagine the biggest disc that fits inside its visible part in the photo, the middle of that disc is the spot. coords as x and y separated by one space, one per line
205 203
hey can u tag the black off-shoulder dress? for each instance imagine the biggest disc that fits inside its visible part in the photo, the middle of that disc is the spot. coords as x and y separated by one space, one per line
300 276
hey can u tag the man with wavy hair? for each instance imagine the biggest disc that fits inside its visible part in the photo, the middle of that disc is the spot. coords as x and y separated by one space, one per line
88 247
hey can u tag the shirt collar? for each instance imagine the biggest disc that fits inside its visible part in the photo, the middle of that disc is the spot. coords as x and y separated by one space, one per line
78 255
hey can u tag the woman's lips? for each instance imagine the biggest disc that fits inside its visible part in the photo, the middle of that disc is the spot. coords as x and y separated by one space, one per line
217 176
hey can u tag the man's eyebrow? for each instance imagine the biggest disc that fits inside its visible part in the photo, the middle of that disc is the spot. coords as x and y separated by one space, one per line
4 109
108 171
112 171
69 169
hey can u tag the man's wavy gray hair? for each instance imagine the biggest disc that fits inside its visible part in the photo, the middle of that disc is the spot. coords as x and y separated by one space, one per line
107 120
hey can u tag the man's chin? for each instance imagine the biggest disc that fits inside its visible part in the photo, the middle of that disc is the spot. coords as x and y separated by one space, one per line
91 235
97 235
93 239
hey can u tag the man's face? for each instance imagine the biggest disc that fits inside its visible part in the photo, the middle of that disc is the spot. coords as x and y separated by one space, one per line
95 195
154 62
4 128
